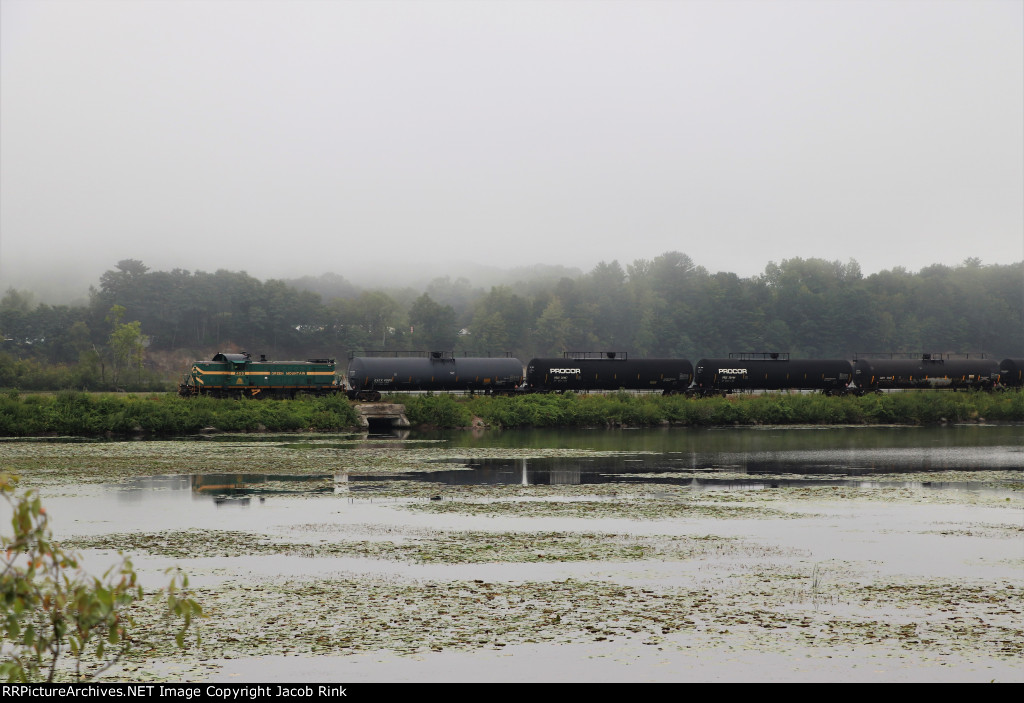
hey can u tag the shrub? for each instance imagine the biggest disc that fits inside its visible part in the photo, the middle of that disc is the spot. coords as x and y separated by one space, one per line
52 609
437 410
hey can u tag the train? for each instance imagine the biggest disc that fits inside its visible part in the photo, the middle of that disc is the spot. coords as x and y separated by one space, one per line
771 371
230 375
1011 373
431 371
369 376
928 371
607 371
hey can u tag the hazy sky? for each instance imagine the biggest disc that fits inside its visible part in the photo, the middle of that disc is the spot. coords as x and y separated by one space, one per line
292 137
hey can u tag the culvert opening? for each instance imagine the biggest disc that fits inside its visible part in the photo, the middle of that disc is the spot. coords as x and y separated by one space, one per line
381 424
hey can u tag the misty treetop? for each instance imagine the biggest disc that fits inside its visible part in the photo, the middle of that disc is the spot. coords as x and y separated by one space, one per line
664 307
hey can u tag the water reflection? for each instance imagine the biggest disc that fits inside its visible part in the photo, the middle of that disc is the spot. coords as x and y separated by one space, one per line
240 489
742 440
226 485
728 459
231 489
835 468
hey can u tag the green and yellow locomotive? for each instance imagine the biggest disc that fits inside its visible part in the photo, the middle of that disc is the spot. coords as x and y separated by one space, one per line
238 376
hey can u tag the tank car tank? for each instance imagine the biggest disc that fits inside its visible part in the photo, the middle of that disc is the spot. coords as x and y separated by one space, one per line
368 376
1011 372
607 371
770 371
928 371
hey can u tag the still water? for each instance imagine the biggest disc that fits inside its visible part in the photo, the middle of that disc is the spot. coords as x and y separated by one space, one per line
946 538
669 456
740 457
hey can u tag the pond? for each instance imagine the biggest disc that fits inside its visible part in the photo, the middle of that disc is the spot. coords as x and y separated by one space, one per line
697 459
782 554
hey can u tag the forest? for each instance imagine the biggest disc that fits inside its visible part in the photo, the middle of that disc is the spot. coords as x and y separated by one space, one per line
141 328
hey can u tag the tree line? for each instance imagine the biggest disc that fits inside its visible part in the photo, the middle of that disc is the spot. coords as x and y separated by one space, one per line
663 307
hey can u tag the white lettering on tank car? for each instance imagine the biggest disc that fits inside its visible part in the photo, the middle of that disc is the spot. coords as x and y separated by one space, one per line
732 371
564 371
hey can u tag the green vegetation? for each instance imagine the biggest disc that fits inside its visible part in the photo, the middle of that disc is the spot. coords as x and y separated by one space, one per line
437 410
52 610
116 362
430 547
142 328
82 414
624 409
74 413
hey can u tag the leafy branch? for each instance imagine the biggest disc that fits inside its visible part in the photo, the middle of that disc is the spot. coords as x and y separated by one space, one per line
53 611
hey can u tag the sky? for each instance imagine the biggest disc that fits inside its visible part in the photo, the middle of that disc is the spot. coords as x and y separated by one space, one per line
286 138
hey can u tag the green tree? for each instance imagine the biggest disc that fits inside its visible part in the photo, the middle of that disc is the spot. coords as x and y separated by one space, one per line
613 306
15 314
378 316
432 325
460 294
813 297
551 327
127 343
501 323
667 290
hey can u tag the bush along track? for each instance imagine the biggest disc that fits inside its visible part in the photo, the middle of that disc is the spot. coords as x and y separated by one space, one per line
625 409
72 413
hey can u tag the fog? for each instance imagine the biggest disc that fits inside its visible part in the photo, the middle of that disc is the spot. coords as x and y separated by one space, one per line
393 141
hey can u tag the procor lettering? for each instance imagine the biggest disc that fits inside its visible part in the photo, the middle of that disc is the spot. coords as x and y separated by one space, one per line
565 371
737 372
